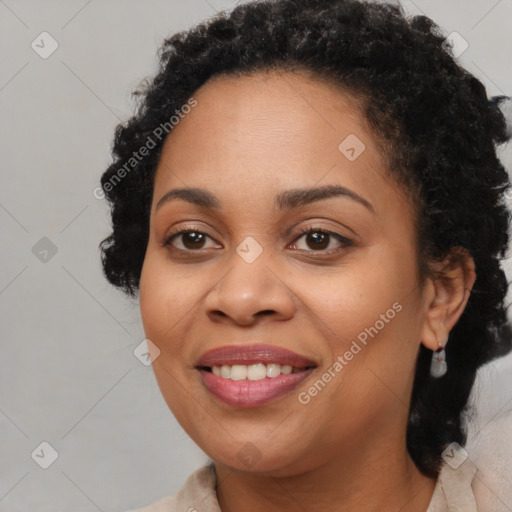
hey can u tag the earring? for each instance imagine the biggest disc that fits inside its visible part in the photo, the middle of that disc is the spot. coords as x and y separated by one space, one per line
438 366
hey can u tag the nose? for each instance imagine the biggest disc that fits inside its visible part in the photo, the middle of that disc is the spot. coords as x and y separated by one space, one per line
248 293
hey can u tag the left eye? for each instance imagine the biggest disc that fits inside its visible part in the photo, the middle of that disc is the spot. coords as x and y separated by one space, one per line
320 240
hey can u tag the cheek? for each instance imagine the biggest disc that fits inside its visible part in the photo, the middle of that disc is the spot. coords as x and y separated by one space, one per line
350 301
166 295
368 317
166 298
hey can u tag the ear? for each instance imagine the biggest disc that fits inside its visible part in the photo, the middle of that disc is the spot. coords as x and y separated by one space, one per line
446 296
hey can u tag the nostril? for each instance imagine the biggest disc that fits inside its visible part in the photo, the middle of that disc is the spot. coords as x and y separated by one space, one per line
266 312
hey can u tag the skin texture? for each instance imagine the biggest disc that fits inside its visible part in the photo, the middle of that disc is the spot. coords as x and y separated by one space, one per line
248 139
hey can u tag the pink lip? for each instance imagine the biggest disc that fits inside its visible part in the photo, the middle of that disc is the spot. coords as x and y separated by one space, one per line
248 393
252 354
251 393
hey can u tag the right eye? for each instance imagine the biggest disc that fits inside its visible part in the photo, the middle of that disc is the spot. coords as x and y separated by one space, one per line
188 240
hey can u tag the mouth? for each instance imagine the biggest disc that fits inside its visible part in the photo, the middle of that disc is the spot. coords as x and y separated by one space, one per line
250 376
254 372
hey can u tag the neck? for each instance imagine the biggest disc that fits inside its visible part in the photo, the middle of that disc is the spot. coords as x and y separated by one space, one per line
368 482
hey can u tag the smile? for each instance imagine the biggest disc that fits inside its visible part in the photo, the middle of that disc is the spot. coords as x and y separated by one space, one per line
251 376
257 371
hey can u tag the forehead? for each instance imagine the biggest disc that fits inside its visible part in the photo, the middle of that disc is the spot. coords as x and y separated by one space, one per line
291 105
271 130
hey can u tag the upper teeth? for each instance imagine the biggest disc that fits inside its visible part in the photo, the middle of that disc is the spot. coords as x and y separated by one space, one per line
257 371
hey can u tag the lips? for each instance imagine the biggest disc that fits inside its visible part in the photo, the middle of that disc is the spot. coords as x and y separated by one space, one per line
246 392
253 354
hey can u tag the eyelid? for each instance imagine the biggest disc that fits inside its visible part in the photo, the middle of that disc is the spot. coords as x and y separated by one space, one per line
321 223
344 243
343 240
182 230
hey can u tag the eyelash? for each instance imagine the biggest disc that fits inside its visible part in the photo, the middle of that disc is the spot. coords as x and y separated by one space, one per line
191 229
345 242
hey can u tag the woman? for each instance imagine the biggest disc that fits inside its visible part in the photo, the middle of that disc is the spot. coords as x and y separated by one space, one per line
310 206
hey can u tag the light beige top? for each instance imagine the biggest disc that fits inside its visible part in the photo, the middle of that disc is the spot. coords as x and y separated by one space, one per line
453 492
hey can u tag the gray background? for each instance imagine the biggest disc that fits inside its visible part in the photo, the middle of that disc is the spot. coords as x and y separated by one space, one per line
68 375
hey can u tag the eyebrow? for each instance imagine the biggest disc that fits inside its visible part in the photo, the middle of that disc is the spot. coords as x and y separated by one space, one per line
288 199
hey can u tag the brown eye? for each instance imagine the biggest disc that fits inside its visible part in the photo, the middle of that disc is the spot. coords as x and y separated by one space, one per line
317 240
187 240
193 239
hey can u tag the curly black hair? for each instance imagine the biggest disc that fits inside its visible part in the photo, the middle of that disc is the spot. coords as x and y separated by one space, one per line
436 128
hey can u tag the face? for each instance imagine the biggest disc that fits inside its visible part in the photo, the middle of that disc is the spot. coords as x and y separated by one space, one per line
298 250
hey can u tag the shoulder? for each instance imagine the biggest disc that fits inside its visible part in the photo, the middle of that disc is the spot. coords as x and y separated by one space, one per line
453 489
490 436
197 493
481 470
